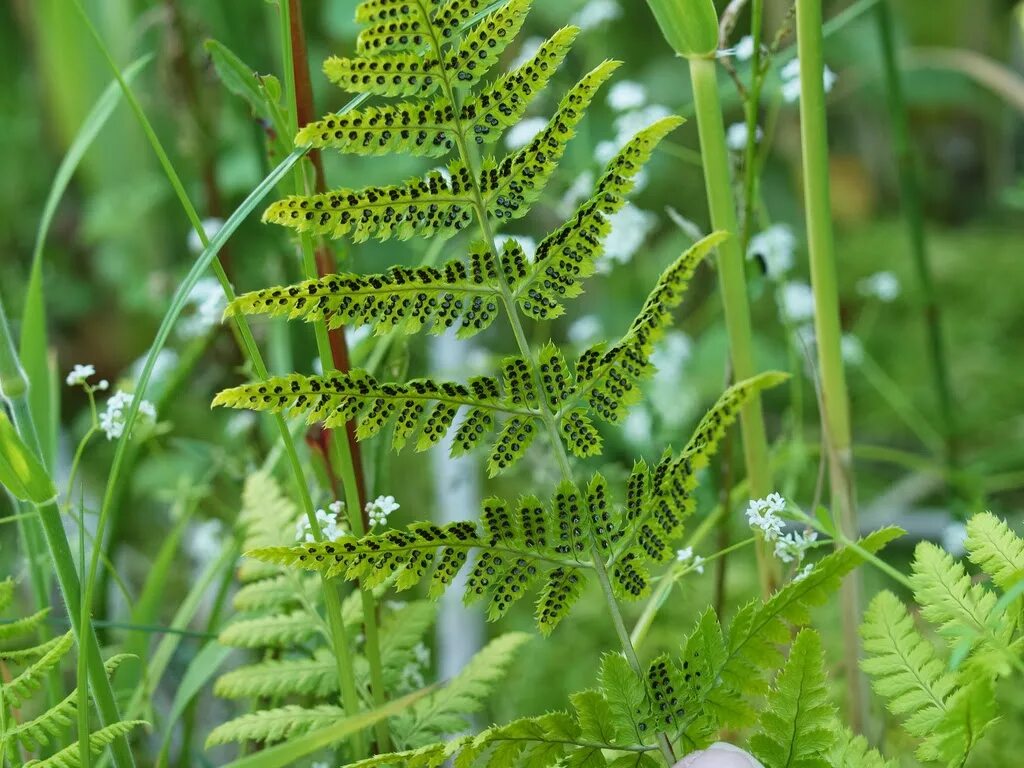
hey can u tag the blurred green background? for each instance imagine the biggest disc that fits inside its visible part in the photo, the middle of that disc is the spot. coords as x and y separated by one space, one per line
120 244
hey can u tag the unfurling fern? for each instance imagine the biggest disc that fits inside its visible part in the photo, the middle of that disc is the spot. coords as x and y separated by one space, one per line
295 685
24 736
949 706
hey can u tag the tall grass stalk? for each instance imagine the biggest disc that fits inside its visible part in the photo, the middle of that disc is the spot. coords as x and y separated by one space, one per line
828 331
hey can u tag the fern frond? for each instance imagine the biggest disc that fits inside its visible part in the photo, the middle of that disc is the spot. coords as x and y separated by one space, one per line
28 655
723 670
996 549
951 600
509 187
71 757
317 676
401 299
24 627
30 679
795 731
270 725
569 255
279 630
266 518
276 593
627 699
447 709
853 751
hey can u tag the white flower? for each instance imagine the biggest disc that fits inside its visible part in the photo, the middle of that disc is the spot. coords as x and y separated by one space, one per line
884 286
736 137
163 368
527 51
204 540
527 243
744 49
332 524
207 302
525 131
585 330
627 125
672 352
211 227
239 424
852 349
80 374
380 508
804 572
626 94
673 403
595 13
628 229
698 564
776 246
954 539
684 554
638 426
792 546
790 74
764 514
797 301
113 417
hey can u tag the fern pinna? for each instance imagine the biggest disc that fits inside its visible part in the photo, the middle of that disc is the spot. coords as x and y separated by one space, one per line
43 739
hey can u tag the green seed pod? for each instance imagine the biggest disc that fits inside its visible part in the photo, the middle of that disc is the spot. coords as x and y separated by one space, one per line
689 26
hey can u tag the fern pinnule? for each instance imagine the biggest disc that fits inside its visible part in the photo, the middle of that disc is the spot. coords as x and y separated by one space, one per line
278 678
71 756
277 630
30 679
853 751
272 725
796 728
996 549
23 627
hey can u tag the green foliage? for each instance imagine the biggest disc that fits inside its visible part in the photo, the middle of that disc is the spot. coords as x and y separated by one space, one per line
71 756
948 705
852 751
796 730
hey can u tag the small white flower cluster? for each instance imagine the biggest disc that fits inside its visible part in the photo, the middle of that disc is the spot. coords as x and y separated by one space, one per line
765 515
206 302
744 50
776 245
525 131
597 12
790 74
884 286
627 94
380 508
797 301
112 420
332 524
211 227
736 137
686 555
80 376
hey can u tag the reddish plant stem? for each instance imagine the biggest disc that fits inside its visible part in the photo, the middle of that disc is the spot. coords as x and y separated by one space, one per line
325 263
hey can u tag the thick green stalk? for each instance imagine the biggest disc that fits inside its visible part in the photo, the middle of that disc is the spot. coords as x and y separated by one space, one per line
910 194
821 246
732 280
14 390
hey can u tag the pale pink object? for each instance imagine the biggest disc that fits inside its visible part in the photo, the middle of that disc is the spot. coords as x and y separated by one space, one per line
719 755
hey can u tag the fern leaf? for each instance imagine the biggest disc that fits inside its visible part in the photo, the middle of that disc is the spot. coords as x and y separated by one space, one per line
317 676
266 519
270 725
446 710
905 669
22 686
434 205
627 698
71 757
569 255
18 628
996 549
278 631
970 712
795 731
277 593
511 186
480 47
401 299
950 599
852 751
609 380
28 655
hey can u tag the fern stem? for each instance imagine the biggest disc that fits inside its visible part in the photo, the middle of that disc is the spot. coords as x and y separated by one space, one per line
820 238
333 356
733 287
14 390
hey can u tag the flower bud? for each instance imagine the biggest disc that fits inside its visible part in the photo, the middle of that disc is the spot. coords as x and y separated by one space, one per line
689 26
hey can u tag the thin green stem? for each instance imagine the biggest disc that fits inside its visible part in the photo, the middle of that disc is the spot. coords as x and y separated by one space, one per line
732 282
752 106
820 240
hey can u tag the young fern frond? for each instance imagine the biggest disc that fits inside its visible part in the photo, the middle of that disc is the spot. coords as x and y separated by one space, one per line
996 549
30 679
796 730
71 756
270 725
316 676
853 751
275 631
23 627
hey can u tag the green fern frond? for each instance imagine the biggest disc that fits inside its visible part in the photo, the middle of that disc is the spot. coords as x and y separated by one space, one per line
401 299
28 655
271 725
627 699
53 723
317 676
266 517
24 627
569 255
30 679
447 709
959 608
996 549
71 757
795 731
853 751
275 593
279 630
